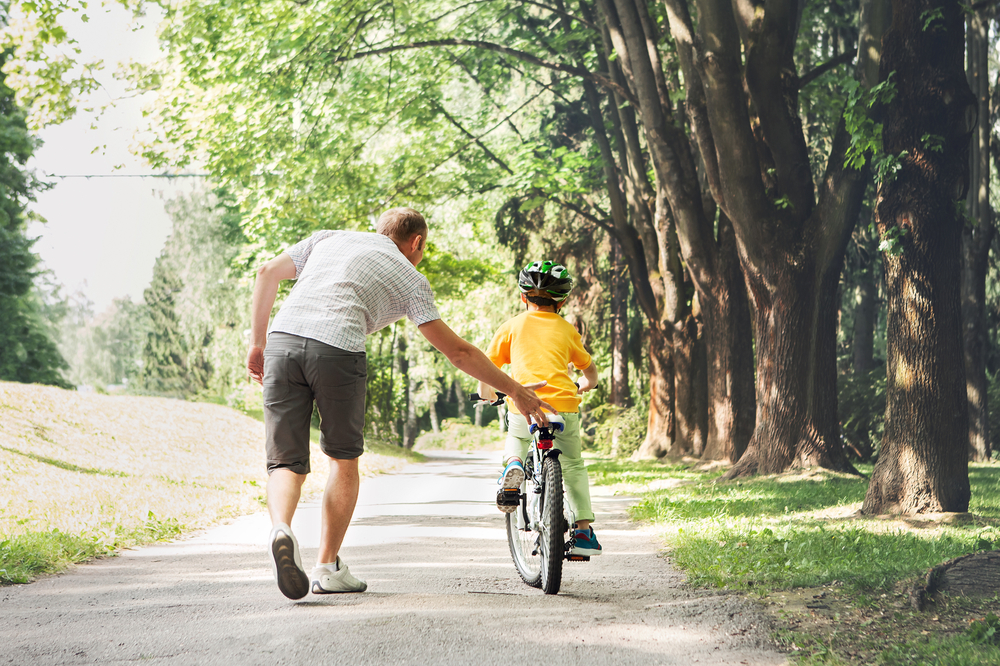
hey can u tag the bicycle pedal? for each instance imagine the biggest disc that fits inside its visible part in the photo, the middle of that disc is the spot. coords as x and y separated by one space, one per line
578 558
508 497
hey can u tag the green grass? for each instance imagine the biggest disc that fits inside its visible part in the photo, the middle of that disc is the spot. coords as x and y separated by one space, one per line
459 435
613 472
23 557
776 534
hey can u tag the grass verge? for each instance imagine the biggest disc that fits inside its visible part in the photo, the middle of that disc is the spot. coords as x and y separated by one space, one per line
838 584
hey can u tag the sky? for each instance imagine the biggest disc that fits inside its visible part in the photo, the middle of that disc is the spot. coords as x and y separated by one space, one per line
103 234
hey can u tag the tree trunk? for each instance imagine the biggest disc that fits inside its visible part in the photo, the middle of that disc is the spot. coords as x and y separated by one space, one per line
732 404
660 427
794 323
620 393
432 408
923 461
408 434
975 255
974 575
977 237
478 415
863 334
459 398
689 429
700 381
410 425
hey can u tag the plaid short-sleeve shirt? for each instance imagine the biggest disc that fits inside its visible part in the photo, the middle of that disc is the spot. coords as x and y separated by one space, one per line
350 284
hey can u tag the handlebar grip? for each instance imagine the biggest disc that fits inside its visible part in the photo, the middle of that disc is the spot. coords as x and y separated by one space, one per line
475 397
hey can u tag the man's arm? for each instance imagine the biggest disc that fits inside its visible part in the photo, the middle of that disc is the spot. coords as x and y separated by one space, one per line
589 378
469 359
264 291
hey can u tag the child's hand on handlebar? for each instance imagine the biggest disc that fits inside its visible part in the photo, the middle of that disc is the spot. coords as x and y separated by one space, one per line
487 393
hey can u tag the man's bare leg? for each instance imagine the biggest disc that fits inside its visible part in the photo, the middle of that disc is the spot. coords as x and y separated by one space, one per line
283 490
339 499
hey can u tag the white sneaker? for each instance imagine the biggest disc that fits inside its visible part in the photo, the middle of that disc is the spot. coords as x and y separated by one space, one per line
286 562
327 581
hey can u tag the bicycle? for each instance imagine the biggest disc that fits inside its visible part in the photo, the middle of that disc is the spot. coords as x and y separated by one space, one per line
536 527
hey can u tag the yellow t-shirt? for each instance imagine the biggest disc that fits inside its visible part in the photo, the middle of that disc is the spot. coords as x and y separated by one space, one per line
539 346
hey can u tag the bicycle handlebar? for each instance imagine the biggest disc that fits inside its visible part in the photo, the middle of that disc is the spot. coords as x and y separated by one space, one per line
475 397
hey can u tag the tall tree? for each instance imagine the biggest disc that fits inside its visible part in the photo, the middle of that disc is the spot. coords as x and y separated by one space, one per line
977 237
923 460
754 156
165 364
620 392
28 350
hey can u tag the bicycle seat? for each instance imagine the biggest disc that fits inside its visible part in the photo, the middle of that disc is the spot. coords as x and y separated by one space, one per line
556 424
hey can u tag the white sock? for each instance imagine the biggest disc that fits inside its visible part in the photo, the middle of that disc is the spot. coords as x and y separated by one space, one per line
332 566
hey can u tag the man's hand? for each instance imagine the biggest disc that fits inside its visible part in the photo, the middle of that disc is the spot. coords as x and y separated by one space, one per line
255 364
529 404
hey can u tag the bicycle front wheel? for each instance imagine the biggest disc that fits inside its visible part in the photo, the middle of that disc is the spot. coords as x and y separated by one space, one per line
552 526
523 540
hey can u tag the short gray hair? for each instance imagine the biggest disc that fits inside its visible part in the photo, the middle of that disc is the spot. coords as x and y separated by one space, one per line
400 224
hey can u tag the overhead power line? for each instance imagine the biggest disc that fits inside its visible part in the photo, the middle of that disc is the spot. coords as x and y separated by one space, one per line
129 175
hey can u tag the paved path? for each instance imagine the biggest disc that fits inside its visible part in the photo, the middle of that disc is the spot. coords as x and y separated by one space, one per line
442 590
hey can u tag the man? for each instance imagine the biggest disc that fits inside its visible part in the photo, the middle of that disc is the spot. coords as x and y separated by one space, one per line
349 284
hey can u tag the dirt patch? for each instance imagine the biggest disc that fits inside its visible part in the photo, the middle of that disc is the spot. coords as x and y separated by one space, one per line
859 627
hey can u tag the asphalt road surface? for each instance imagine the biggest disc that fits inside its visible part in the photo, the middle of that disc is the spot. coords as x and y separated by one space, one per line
441 590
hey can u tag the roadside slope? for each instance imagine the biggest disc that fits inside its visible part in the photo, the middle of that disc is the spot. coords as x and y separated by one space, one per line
122 469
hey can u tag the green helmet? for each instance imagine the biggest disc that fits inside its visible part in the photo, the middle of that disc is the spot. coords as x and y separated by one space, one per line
546 276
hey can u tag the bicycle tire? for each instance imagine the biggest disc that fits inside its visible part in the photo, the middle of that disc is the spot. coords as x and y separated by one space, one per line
523 542
553 526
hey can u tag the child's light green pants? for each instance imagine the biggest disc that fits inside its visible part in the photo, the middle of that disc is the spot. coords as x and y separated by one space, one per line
574 472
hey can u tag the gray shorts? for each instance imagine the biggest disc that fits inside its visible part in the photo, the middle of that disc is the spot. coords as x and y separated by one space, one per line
298 371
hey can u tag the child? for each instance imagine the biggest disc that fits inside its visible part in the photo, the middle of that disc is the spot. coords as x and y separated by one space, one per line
540 345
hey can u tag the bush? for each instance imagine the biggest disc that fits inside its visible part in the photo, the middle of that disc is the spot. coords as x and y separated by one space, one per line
861 403
460 435
630 424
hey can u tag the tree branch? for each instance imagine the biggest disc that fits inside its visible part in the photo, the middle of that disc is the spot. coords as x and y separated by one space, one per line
599 79
813 74
486 92
477 140
413 181
560 12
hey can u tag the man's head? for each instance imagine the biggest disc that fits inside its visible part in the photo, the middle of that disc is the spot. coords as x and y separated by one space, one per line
545 284
407 229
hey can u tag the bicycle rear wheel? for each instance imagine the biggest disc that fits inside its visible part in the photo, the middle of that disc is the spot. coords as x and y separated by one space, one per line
523 540
552 526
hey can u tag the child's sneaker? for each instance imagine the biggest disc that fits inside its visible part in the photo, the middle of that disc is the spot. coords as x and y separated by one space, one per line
585 543
513 475
509 495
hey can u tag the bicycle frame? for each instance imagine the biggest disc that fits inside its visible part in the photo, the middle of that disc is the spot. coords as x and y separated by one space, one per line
541 516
